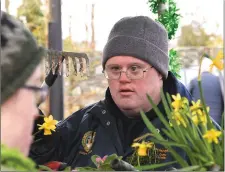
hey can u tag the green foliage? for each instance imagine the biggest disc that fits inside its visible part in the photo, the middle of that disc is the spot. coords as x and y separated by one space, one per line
68 44
154 5
193 36
30 10
14 159
174 63
185 134
170 19
104 165
154 166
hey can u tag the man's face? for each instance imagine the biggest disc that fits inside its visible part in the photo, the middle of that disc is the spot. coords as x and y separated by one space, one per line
130 94
19 113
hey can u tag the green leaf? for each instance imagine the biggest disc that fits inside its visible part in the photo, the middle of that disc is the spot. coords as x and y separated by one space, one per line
86 169
174 138
191 168
218 154
204 159
105 167
154 166
180 134
110 158
168 97
159 137
44 168
210 125
93 158
190 139
169 143
165 104
159 114
177 157
222 121
150 126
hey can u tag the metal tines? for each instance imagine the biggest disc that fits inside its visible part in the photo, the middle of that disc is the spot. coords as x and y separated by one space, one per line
78 61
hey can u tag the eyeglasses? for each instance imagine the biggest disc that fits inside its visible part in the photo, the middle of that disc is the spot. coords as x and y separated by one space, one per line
40 93
133 72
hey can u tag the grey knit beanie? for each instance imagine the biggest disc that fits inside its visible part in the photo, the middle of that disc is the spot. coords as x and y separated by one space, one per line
20 55
140 37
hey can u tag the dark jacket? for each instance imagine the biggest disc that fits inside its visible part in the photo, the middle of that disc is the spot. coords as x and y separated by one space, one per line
100 129
212 94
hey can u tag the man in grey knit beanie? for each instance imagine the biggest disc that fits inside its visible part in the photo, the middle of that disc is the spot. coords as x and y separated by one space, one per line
135 63
140 37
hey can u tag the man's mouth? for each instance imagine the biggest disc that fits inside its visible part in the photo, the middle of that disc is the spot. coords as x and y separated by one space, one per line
126 92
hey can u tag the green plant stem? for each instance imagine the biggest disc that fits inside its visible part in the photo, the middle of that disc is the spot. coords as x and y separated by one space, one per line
201 94
36 133
138 159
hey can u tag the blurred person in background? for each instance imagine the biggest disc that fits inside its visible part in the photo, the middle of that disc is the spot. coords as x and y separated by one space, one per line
212 86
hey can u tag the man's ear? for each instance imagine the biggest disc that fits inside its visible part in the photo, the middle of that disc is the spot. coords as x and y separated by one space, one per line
160 76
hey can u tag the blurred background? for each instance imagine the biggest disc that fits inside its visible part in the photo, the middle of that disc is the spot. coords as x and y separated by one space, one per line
85 27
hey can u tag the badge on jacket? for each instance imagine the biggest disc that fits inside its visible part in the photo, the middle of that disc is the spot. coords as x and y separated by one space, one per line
87 142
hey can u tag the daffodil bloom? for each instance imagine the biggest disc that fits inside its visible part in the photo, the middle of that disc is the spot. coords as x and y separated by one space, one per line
195 119
177 103
212 135
179 119
48 125
217 62
198 115
143 147
195 106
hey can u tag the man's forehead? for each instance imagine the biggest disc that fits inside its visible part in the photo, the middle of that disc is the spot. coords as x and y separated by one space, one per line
125 60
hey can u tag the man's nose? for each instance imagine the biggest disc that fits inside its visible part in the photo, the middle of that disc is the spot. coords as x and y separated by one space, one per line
123 77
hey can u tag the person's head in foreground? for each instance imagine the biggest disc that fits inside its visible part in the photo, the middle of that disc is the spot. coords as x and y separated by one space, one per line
135 62
20 78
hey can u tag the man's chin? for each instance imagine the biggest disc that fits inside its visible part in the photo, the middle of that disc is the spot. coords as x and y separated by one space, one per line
130 110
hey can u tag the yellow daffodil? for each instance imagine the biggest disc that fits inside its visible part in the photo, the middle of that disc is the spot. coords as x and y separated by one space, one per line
217 62
179 119
48 125
143 147
195 106
195 119
212 135
198 114
177 103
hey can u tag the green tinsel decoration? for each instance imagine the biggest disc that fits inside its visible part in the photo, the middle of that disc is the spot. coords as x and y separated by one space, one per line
154 5
170 19
174 63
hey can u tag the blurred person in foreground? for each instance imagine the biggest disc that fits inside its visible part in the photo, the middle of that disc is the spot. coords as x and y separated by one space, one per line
20 81
212 90
135 63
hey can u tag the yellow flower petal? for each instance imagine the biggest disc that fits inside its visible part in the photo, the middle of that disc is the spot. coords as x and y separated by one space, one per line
47 132
135 145
217 62
142 151
48 125
212 135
